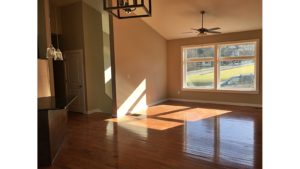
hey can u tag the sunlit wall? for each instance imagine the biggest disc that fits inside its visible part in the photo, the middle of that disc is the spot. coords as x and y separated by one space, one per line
140 61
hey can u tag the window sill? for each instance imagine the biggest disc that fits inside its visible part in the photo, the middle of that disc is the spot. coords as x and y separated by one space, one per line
221 91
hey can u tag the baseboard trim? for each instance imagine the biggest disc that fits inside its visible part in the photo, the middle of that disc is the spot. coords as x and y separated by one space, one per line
148 105
94 111
216 102
157 102
188 100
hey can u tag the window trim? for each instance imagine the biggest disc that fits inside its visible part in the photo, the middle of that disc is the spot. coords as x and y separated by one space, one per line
216 67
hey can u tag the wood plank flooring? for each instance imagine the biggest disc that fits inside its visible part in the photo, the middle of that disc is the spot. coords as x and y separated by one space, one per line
172 135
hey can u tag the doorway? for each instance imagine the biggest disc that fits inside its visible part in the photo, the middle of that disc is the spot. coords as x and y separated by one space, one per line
75 83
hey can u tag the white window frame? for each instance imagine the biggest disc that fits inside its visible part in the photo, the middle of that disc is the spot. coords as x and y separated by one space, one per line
216 60
184 61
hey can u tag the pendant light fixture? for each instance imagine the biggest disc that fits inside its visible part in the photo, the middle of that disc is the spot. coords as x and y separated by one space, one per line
50 52
53 53
58 53
123 9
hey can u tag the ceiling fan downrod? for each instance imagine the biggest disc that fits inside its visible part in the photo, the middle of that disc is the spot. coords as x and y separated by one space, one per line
202 13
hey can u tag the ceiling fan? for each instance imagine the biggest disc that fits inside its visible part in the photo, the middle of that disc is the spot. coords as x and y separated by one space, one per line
203 31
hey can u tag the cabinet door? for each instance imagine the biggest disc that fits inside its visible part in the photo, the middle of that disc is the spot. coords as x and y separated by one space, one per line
57 121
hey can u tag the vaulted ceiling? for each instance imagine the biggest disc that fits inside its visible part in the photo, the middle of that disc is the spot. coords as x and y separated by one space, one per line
171 18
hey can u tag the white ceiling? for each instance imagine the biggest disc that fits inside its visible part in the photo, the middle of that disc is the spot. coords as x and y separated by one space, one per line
171 18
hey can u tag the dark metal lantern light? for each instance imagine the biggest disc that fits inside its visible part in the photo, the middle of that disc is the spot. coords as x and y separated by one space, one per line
123 9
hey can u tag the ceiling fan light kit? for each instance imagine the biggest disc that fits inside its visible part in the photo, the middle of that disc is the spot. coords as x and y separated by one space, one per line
124 9
204 31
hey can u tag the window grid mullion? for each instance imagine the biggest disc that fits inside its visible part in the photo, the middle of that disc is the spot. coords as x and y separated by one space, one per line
185 61
216 65
236 58
200 60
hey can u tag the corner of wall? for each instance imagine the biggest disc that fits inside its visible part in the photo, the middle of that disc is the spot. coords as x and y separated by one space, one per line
140 55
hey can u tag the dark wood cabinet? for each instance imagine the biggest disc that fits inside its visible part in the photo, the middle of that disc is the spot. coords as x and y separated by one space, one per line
52 126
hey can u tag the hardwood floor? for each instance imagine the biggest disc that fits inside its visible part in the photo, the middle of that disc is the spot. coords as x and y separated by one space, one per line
172 135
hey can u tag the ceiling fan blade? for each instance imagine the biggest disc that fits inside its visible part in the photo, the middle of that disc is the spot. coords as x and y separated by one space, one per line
194 29
212 29
209 31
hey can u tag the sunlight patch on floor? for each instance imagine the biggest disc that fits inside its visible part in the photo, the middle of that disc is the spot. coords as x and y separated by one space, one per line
162 117
154 124
194 114
144 122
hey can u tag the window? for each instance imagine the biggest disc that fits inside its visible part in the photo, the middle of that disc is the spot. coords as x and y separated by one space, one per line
224 66
199 62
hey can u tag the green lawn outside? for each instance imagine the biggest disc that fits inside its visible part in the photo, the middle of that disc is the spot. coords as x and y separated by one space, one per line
225 74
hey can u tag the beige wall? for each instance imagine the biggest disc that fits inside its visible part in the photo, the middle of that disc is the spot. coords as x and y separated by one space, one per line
82 29
55 18
140 58
43 78
44 40
44 30
72 26
174 69
98 92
